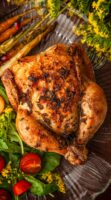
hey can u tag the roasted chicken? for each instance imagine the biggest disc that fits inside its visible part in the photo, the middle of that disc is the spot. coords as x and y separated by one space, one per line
59 106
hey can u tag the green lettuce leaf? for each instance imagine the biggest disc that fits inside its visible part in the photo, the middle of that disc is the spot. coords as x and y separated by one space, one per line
50 161
8 134
39 188
3 145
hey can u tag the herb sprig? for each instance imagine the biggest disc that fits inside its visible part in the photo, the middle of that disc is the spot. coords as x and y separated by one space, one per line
96 33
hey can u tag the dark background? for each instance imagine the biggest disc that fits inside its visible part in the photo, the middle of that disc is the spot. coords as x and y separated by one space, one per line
106 195
105 151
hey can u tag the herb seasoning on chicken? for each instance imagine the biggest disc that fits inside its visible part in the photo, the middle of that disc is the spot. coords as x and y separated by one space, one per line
50 92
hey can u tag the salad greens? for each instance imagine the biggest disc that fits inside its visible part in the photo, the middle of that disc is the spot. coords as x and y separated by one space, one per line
50 162
8 132
40 188
12 148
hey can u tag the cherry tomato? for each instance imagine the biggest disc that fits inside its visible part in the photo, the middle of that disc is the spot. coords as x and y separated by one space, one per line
5 195
20 187
30 163
2 163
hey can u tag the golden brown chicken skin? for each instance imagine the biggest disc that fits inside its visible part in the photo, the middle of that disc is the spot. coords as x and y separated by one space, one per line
54 97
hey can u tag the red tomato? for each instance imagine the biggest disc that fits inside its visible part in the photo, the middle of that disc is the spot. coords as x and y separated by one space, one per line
2 163
5 195
20 187
30 163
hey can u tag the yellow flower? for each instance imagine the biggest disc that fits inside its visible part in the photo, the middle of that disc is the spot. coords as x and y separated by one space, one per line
98 48
100 2
77 32
8 109
104 35
83 40
6 171
54 177
9 181
94 4
91 20
60 183
100 33
97 4
100 13
96 30
47 177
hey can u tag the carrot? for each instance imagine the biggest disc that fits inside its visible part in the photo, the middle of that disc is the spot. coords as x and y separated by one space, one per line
8 23
5 25
11 31
26 49
10 43
11 53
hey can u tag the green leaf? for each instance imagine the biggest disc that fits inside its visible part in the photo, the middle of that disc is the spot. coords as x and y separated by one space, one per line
8 132
3 145
5 121
15 159
39 188
31 149
5 155
3 94
14 136
13 147
5 185
50 162
8 147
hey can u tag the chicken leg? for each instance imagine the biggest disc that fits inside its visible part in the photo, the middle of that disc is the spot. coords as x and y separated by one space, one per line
92 114
35 135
